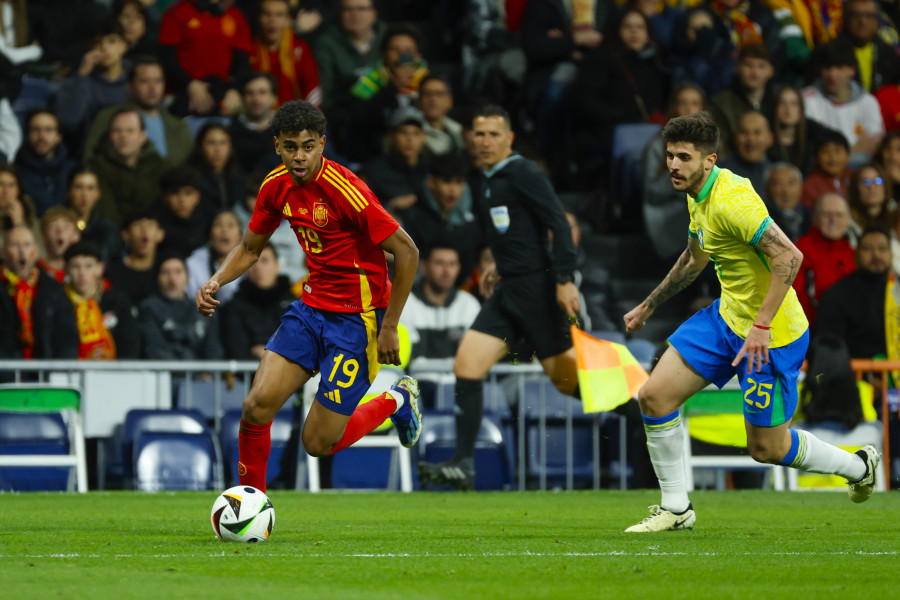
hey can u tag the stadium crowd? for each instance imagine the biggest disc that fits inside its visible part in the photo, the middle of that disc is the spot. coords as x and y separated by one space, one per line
134 137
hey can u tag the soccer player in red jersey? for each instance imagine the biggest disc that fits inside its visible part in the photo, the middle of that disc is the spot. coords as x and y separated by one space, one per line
345 324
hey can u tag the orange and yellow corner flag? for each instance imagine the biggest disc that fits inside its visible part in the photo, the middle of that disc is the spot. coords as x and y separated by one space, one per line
608 374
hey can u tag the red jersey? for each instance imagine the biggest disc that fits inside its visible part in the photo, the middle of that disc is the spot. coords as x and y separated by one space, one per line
339 223
205 42
293 65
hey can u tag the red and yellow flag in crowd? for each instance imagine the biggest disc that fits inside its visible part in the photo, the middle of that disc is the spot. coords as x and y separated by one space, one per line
608 374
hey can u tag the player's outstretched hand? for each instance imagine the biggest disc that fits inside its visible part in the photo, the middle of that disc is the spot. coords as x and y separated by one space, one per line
206 303
567 298
637 317
756 349
388 345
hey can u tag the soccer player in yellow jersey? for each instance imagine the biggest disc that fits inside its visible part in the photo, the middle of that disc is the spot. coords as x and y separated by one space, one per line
756 330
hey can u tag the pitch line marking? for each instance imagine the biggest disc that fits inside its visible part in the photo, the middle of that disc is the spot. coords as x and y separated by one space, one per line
611 553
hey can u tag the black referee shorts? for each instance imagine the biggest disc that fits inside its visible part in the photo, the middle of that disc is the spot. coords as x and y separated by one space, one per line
523 312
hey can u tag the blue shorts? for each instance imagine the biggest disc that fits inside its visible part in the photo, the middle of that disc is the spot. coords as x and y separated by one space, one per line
343 346
709 345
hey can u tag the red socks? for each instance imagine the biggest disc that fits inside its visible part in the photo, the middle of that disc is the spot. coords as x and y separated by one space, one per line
365 419
254 445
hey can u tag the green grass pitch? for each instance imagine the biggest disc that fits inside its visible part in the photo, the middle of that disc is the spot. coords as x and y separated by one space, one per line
754 544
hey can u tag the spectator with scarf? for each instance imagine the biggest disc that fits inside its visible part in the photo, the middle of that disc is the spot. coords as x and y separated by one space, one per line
107 328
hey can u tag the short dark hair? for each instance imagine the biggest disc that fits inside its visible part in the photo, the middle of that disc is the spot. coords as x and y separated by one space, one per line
180 177
143 60
40 110
872 229
124 110
755 51
436 77
699 129
83 248
108 26
254 75
396 29
836 53
832 136
296 116
449 166
492 110
141 214
439 244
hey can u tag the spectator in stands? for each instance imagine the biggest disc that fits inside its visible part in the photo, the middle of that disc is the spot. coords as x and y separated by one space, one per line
224 235
701 53
107 327
59 230
752 140
205 48
665 212
16 44
184 216
444 211
99 82
135 272
830 172
255 311
754 24
854 307
836 100
622 81
827 253
554 46
443 135
795 136
214 157
36 307
83 193
170 325
283 240
348 49
869 195
127 166
493 61
784 187
250 131
437 314
750 90
43 161
391 84
887 156
16 207
289 59
877 63
397 176
170 135
139 33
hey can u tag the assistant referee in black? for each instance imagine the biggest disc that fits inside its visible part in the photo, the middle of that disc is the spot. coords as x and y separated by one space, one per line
530 293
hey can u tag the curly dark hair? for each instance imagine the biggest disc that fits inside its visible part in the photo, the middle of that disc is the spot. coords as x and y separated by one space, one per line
296 116
699 129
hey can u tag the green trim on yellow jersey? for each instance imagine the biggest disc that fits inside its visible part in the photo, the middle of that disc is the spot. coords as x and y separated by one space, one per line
707 186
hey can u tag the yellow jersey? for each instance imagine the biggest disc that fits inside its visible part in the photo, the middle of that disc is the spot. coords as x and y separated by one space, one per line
728 218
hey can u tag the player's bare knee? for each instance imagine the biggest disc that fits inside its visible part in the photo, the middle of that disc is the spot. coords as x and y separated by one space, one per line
316 446
764 453
254 411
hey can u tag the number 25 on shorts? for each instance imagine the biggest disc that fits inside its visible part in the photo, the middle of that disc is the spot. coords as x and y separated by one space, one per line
763 391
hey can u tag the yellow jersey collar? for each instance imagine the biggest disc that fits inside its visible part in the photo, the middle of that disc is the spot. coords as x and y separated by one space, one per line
707 186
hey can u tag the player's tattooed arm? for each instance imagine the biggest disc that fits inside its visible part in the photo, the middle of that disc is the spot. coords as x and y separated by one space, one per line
784 255
682 274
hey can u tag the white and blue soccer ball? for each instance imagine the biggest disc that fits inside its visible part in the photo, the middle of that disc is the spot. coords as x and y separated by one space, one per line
243 514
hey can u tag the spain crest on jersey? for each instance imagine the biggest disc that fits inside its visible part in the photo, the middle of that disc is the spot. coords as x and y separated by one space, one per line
320 214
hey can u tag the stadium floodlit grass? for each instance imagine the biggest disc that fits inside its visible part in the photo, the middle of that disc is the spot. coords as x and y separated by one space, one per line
753 544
